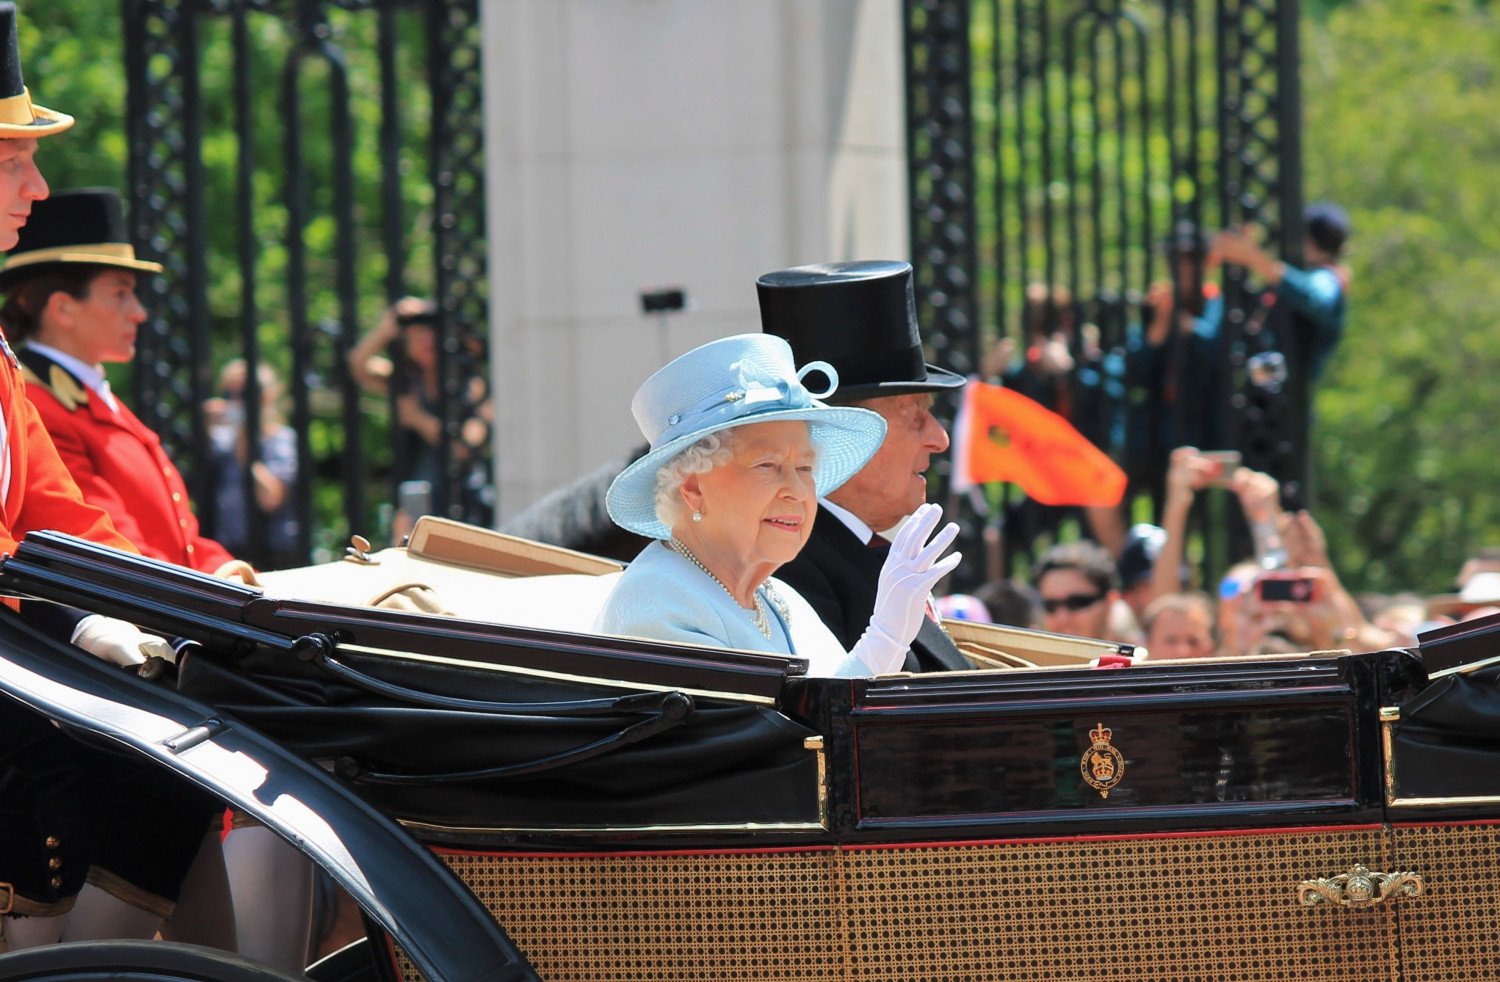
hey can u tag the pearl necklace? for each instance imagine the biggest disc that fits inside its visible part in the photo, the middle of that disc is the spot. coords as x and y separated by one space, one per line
758 615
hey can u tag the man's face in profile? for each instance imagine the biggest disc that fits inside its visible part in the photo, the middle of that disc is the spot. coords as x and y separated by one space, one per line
21 184
894 483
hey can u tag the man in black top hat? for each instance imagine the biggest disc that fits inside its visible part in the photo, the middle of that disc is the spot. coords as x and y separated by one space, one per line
861 318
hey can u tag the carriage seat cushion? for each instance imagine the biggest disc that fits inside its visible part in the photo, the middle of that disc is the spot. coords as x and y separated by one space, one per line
398 580
560 602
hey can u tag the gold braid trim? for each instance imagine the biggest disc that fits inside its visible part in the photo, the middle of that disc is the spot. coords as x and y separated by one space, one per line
130 893
64 387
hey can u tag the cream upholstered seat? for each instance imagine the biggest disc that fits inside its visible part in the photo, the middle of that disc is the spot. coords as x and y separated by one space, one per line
463 571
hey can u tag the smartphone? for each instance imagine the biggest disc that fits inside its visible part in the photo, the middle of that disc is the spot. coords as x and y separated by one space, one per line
414 498
1225 463
1294 589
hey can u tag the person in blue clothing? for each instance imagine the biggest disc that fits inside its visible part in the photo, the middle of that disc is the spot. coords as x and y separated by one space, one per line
1172 362
1316 296
740 452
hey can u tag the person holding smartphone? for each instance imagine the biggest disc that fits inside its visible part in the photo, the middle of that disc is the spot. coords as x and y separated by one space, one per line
399 359
1316 292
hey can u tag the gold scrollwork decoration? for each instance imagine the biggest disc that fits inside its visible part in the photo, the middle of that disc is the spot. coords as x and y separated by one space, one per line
1359 888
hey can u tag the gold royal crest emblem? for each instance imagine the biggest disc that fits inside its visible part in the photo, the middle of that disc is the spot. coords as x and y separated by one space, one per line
1103 766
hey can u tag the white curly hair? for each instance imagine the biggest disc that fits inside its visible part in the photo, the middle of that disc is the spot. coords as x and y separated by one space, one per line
712 451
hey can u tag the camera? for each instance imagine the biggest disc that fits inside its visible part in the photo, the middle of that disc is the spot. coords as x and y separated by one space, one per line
663 300
1267 370
1293 589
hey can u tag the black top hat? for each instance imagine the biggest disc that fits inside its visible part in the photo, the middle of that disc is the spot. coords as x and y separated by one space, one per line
81 227
860 317
20 118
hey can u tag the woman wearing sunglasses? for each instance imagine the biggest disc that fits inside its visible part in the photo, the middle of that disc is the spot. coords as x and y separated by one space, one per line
1079 585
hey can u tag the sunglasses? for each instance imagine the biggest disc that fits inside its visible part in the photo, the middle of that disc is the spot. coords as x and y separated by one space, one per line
1077 601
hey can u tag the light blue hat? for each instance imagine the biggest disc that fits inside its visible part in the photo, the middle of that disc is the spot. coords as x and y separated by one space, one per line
735 381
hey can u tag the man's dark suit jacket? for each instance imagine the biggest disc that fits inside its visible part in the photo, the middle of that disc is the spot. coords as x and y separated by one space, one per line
837 574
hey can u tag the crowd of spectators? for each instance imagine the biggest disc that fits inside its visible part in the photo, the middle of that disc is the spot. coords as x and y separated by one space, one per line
1148 396
1284 597
1138 386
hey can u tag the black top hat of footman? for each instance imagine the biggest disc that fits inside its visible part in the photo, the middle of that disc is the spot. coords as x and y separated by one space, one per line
860 317
20 118
81 227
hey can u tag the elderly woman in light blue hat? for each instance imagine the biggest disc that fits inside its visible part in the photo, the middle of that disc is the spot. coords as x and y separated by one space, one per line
740 451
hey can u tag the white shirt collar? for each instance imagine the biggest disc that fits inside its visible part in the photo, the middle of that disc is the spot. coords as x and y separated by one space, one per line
861 531
90 375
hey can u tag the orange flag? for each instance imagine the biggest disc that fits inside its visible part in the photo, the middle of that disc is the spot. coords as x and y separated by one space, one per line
1004 436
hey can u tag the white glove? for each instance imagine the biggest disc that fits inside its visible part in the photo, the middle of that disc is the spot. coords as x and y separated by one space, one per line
119 642
237 571
906 581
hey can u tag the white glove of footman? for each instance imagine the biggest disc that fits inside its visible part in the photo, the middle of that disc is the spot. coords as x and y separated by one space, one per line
906 581
119 642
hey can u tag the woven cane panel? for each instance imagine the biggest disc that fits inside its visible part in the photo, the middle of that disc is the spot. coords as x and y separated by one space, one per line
1176 908
1220 908
1452 931
697 918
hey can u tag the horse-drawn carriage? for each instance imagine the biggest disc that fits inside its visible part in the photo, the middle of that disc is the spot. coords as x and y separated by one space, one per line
508 796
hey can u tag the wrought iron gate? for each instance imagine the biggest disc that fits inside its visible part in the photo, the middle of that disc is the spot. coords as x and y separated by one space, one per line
1057 142
242 117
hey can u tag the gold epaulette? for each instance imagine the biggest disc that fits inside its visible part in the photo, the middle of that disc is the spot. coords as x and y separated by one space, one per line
64 387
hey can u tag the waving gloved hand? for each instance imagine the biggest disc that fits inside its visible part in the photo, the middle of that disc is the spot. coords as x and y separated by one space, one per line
910 572
119 642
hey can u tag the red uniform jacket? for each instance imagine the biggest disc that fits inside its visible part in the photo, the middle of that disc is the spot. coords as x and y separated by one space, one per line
42 494
120 466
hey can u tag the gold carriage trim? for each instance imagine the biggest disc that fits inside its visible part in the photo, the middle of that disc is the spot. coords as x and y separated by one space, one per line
1359 888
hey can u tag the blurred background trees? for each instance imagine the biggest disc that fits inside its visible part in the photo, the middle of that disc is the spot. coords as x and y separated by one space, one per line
1400 99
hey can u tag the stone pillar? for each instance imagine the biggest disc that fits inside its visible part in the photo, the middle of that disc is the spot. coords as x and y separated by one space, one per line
697 143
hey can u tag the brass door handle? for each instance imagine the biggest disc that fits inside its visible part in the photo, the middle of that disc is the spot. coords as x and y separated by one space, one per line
1359 888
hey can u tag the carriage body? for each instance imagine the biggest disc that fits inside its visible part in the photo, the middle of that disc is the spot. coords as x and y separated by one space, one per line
626 809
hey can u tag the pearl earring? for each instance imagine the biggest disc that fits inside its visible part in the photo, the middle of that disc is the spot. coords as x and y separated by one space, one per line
697 516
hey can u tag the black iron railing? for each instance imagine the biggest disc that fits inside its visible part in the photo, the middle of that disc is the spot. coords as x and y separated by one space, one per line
1053 146
308 93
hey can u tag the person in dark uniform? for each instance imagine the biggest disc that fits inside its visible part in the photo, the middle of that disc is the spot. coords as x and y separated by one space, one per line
860 317
65 809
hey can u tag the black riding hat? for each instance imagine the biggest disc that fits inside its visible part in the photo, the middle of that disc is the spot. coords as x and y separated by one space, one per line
81 227
860 317
20 118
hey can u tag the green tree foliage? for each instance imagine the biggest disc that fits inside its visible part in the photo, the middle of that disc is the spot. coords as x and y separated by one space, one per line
1401 98
72 60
